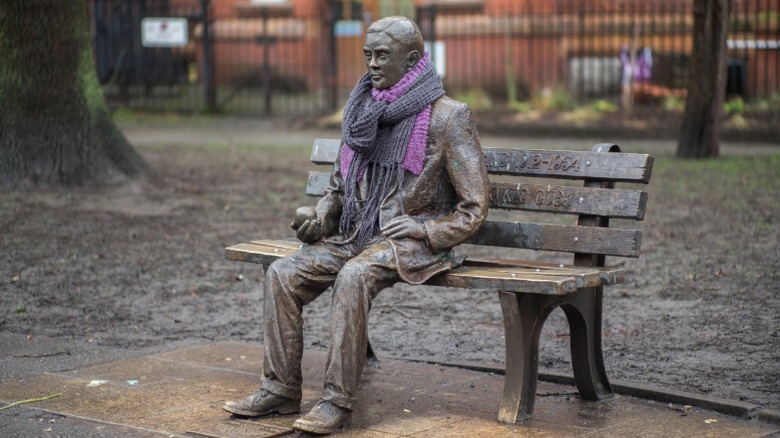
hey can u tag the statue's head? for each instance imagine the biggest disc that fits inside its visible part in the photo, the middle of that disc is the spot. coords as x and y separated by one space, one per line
393 47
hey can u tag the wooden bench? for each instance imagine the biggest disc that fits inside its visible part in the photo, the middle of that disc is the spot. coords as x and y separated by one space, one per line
529 290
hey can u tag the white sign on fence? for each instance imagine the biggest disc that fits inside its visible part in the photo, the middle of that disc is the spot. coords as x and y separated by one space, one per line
438 53
164 32
348 28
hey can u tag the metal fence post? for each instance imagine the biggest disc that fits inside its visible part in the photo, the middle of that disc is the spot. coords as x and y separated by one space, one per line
432 31
208 68
332 55
267 41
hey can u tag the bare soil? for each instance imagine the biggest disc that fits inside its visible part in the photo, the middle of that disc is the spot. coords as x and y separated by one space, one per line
142 264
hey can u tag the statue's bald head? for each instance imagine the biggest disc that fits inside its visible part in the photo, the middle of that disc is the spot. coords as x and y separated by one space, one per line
401 30
393 47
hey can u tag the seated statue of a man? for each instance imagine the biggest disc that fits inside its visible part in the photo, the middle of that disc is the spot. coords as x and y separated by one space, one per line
409 184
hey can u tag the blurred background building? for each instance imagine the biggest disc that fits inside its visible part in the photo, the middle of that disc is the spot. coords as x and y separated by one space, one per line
301 57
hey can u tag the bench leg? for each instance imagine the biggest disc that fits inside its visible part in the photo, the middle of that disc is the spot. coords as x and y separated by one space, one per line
524 316
371 360
583 310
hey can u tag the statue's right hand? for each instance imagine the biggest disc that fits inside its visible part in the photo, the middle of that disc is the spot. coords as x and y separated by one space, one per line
302 214
310 231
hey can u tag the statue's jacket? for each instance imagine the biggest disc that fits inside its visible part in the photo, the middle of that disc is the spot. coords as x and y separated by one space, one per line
449 196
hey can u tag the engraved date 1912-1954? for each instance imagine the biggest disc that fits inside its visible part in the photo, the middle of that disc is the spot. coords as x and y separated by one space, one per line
531 161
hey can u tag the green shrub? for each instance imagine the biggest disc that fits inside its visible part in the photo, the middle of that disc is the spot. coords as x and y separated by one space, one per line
521 107
604 106
557 98
673 103
765 103
734 106
476 98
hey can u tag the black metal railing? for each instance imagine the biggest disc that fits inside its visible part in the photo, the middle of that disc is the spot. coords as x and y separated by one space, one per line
302 57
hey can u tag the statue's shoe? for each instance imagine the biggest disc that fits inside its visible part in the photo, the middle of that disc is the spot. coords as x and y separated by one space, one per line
324 418
263 403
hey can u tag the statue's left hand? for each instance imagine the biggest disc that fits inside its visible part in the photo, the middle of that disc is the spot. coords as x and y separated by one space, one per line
404 226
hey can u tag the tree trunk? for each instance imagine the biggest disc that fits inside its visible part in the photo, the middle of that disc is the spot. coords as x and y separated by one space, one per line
706 81
55 128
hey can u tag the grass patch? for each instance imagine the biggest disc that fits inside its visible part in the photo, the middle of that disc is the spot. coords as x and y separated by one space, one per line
142 117
727 182
297 150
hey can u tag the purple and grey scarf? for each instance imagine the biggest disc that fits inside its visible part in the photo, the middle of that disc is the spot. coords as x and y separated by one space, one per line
384 132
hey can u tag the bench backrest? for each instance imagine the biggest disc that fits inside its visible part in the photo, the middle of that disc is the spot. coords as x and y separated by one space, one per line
594 203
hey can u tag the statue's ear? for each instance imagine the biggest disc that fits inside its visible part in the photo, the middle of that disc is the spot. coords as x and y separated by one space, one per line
412 58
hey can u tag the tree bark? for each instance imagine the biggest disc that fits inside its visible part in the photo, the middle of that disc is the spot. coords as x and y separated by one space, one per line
55 128
706 81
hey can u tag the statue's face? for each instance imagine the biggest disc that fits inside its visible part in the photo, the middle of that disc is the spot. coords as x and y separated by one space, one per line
387 60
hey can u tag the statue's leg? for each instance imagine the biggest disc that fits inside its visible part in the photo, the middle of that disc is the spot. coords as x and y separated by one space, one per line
357 284
290 283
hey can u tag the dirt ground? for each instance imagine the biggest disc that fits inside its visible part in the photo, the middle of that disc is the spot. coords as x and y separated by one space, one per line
142 265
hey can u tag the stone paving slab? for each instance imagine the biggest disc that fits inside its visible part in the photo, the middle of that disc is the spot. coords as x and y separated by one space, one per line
181 391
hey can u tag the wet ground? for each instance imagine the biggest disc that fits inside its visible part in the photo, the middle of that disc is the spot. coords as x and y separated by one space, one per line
141 266
180 392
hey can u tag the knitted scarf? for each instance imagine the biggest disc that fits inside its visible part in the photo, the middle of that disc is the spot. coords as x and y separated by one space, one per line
379 128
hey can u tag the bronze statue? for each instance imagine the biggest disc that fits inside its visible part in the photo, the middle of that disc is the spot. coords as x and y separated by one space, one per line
408 186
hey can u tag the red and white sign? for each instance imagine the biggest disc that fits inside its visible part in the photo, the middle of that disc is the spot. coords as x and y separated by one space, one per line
164 32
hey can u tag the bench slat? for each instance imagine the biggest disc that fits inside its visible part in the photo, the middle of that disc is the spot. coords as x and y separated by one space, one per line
474 277
608 276
619 203
325 150
509 275
317 183
569 164
262 252
539 162
564 238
